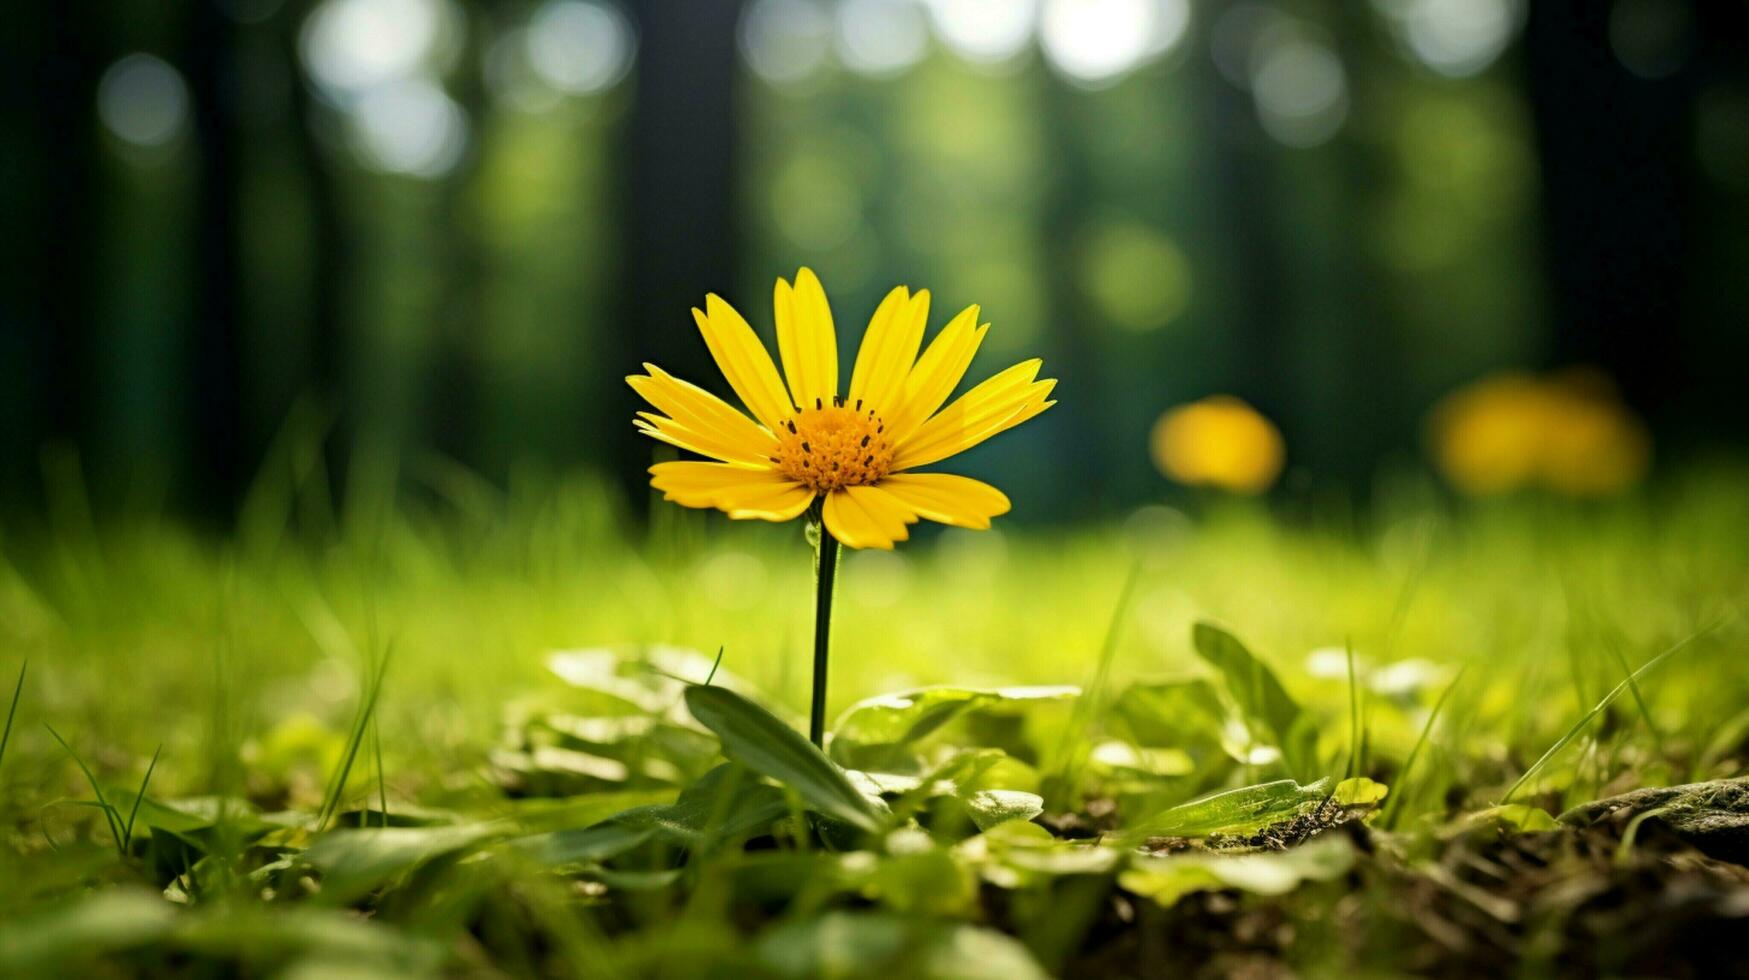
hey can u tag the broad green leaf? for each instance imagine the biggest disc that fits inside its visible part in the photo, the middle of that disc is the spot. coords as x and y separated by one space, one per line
989 807
1168 879
1183 714
728 802
355 861
540 814
200 813
1249 680
42 943
1016 854
1360 791
758 740
869 944
925 881
587 845
899 719
1237 811
265 935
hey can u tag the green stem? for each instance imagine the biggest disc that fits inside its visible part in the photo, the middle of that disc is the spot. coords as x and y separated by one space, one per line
825 578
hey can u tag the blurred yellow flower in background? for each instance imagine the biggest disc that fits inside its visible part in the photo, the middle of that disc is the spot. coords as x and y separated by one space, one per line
1567 432
1220 442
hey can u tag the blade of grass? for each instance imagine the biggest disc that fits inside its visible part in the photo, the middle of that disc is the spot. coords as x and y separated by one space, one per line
1086 708
109 814
376 744
1639 699
127 836
12 712
1390 815
1608 699
1353 713
355 740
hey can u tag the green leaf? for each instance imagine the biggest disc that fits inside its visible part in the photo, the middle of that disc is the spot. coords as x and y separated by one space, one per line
89 926
587 845
1512 816
355 861
892 721
758 740
989 807
1015 855
864 944
1168 879
1182 714
1360 791
1237 811
726 803
1249 680
262 935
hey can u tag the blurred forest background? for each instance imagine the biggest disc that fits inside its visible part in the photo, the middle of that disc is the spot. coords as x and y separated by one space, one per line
447 229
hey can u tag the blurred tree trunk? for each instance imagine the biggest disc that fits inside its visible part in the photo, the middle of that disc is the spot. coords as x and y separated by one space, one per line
330 252
1617 159
49 65
679 224
221 460
453 408
1074 346
1244 185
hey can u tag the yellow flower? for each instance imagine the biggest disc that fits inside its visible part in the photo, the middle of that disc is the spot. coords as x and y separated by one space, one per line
856 451
1489 436
1219 441
1568 432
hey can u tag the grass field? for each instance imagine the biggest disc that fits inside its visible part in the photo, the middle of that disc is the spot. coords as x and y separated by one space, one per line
455 734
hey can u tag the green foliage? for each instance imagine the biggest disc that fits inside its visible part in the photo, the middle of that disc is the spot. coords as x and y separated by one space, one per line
12 710
1168 879
879 733
504 808
755 738
1271 715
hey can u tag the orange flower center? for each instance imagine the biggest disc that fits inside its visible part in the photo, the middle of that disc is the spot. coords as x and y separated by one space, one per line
834 446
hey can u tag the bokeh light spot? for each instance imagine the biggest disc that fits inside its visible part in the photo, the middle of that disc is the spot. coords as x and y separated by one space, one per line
1096 41
881 38
1457 38
1137 277
143 100
579 47
784 41
1301 91
351 46
985 32
409 127
1651 38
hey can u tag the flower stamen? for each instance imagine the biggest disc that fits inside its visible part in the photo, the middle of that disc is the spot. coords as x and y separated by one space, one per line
832 447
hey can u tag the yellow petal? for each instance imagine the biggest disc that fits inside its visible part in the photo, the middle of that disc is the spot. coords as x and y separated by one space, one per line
743 361
937 373
949 499
724 486
806 339
853 525
889 348
700 421
782 504
998 404
673 433
885 510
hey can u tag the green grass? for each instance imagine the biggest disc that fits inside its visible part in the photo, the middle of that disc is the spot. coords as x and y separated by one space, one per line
487 813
